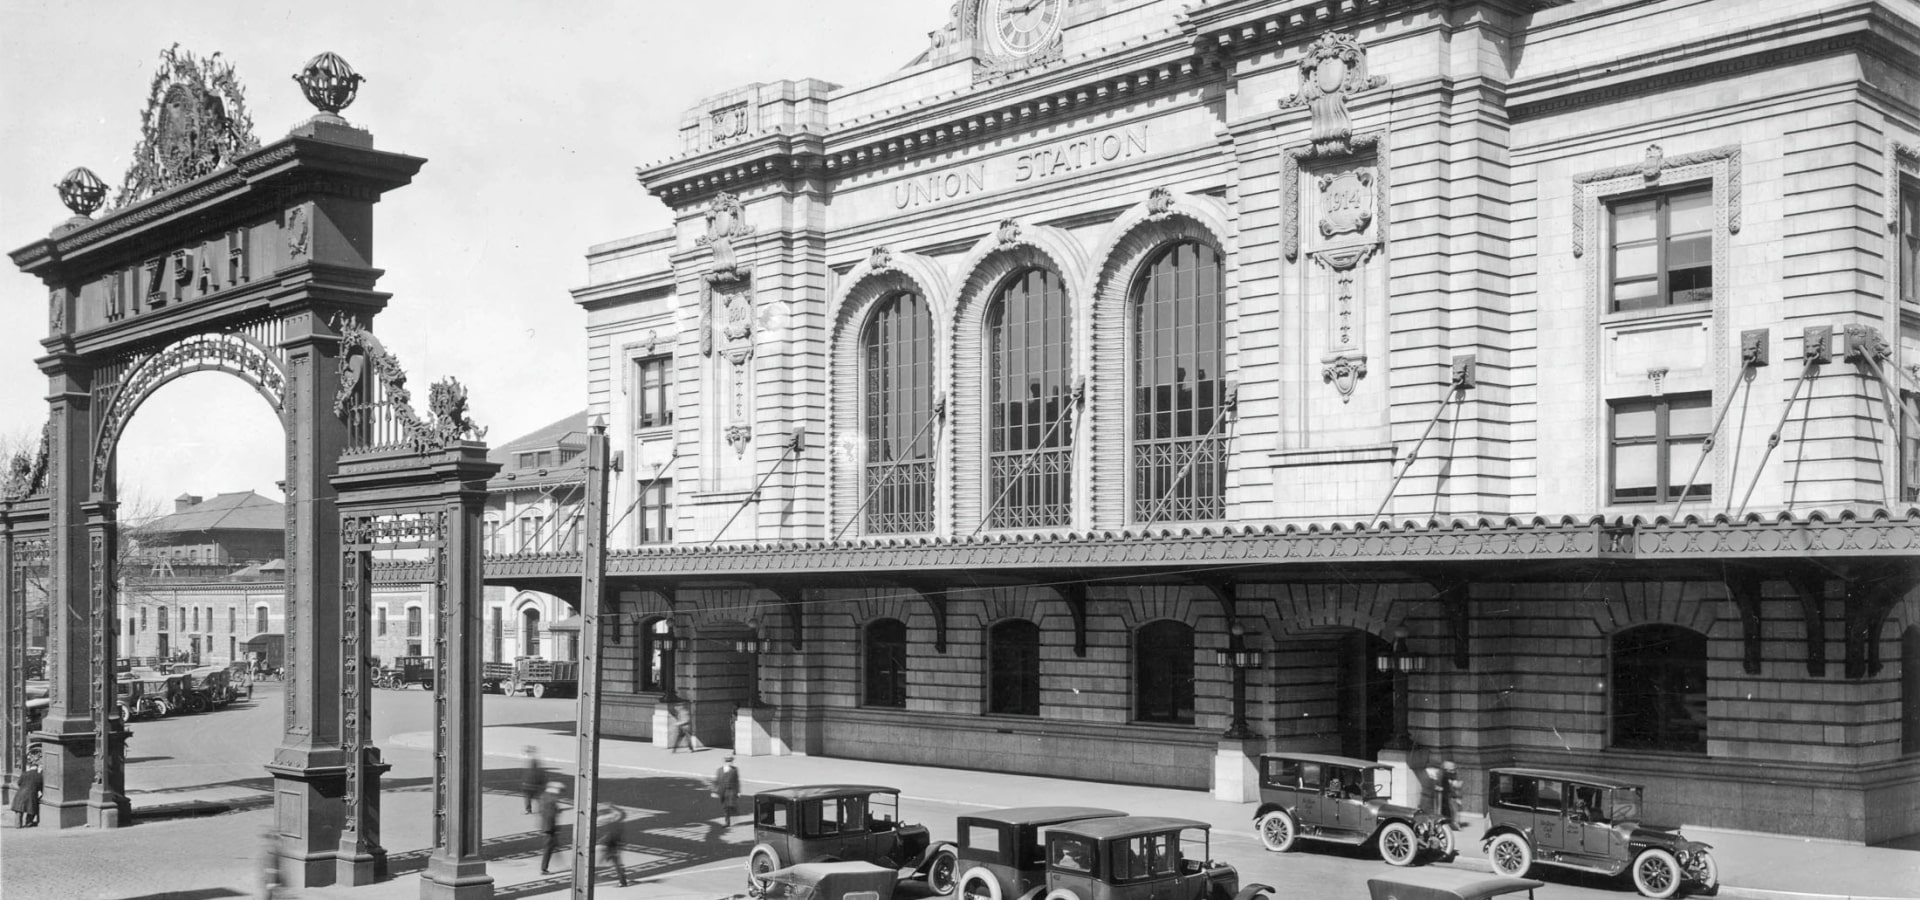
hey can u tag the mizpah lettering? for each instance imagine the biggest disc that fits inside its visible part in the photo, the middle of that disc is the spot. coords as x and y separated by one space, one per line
1079 153
925 189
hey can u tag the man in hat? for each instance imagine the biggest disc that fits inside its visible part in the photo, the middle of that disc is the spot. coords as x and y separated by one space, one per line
548 806
726 789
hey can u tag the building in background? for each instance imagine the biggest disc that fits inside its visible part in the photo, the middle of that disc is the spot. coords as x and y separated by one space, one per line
1124 387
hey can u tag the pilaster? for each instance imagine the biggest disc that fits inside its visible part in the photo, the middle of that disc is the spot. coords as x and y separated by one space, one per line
68 736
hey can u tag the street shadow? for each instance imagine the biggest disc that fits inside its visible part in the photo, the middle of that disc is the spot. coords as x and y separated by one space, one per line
200 894
560 726
136 760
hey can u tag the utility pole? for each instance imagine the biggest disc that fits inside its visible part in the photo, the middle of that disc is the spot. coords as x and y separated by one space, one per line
586 789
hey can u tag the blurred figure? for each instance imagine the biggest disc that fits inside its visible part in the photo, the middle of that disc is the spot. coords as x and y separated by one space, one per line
726 789
1450 795
270 881
26 797
612 833
548 808
535 780
682 728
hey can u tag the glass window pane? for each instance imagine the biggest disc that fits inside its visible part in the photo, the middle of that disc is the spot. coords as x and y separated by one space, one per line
1690 213
1689 415
1634 221
1689 252
1636 470
1634 422
1636 294
1635 261
1682 457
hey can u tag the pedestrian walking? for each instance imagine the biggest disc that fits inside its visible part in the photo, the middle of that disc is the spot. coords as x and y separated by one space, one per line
26 797
682 728
270 881
548 808
726 789
612 827
1450 788
535 780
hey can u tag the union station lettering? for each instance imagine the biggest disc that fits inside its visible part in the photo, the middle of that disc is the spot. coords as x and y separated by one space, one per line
1058 159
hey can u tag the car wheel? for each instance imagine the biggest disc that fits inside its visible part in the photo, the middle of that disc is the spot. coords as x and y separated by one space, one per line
759 862
539 691
126 715
979 884
1062 894
940 872
1277 831
1446 849
1398 846
1703 871
1510 856
1656 873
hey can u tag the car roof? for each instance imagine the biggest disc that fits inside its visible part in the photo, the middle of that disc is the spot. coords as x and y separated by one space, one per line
1040 815
1127 826
1327 760
816 791
1480 889
1559 775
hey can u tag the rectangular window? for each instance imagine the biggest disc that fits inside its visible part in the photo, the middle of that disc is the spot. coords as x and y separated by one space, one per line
496 631
530 534
413 622
143 618
233 620
163 618
380 621
1656 444
655 513
652 392
1662 250
1909 242
260 620
1910 446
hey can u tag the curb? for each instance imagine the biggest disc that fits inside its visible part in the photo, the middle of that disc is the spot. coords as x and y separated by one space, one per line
1733 892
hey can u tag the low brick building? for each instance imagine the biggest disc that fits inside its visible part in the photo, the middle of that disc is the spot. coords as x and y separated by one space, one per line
1121 374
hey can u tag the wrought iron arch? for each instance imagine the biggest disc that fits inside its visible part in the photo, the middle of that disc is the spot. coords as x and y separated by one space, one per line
234 353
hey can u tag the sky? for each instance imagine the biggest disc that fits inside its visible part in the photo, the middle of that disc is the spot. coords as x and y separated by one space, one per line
531 116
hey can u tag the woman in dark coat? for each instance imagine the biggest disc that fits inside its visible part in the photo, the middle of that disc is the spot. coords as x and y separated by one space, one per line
26 798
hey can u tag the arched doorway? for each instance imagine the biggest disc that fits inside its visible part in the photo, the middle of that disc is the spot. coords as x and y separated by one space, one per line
1328 694
725 674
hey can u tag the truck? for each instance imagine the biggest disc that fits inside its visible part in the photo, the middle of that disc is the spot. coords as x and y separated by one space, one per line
536 677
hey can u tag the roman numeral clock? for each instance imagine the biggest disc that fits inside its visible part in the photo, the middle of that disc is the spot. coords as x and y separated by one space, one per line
1017 34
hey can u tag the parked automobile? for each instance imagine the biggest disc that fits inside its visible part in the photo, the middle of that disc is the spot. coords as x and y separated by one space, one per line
1000 854
833 822
406 670
1478 889
1343 800
827 881
1139 858
1591 824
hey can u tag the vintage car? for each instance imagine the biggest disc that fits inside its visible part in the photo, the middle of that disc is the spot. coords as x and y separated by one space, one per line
833 823
1587 823
1000 854
827 881
1138 858
1475 889
1344 800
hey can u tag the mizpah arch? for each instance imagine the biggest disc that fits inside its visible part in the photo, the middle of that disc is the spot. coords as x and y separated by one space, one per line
223 254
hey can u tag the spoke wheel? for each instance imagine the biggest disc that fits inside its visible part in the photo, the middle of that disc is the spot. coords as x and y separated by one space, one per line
1510 856
1704 871
1445 850
1398 846
940 872
1277 831
759 862
1656 873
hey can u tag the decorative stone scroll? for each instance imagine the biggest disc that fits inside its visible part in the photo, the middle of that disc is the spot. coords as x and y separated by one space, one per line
1334 68
196 121
1655 166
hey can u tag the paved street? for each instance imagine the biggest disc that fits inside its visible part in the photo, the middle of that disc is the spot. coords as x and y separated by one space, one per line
201 804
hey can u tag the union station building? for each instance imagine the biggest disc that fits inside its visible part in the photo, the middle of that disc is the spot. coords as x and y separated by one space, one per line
1124 388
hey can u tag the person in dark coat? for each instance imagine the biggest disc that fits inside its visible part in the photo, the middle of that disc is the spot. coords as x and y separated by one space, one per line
548 808
1450 795
535 780
612 826
26 797
726 789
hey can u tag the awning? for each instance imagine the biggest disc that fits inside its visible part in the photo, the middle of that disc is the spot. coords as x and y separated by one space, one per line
264 637
570 623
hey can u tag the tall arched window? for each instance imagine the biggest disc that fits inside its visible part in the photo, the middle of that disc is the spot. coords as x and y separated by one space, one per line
897 353
530 632
887 663
1029 376
1013 668
1179 358
1163 673
1660 689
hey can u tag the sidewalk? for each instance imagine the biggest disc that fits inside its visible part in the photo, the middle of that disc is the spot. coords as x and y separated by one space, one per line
1752 866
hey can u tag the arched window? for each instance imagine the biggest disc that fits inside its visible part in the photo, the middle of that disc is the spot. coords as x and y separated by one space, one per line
1660 689
414 622
530 632
897 356
1013 668
163 619
1179 358
1029 377
259 619
1163 673
887 663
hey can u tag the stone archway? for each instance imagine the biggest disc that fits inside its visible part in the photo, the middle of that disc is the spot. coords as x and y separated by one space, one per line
255 261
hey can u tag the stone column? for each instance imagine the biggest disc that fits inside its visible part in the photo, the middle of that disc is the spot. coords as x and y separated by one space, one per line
456 869
13 647
309 767
107 800
68 735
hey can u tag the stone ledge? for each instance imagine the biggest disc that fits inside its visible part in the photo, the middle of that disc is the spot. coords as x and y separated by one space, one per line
1338 456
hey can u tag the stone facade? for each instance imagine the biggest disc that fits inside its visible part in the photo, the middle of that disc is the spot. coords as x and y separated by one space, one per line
1432 372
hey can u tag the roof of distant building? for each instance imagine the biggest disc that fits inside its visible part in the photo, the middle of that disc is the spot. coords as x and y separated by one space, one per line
236 511
524 465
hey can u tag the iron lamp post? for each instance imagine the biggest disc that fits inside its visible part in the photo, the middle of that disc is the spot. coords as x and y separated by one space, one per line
1238 657
1400 661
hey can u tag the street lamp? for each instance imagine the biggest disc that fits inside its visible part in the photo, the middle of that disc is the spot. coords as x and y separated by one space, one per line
666 645
752 644
1399 661
1238 657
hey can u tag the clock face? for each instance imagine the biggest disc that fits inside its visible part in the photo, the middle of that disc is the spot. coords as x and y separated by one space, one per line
1020 27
